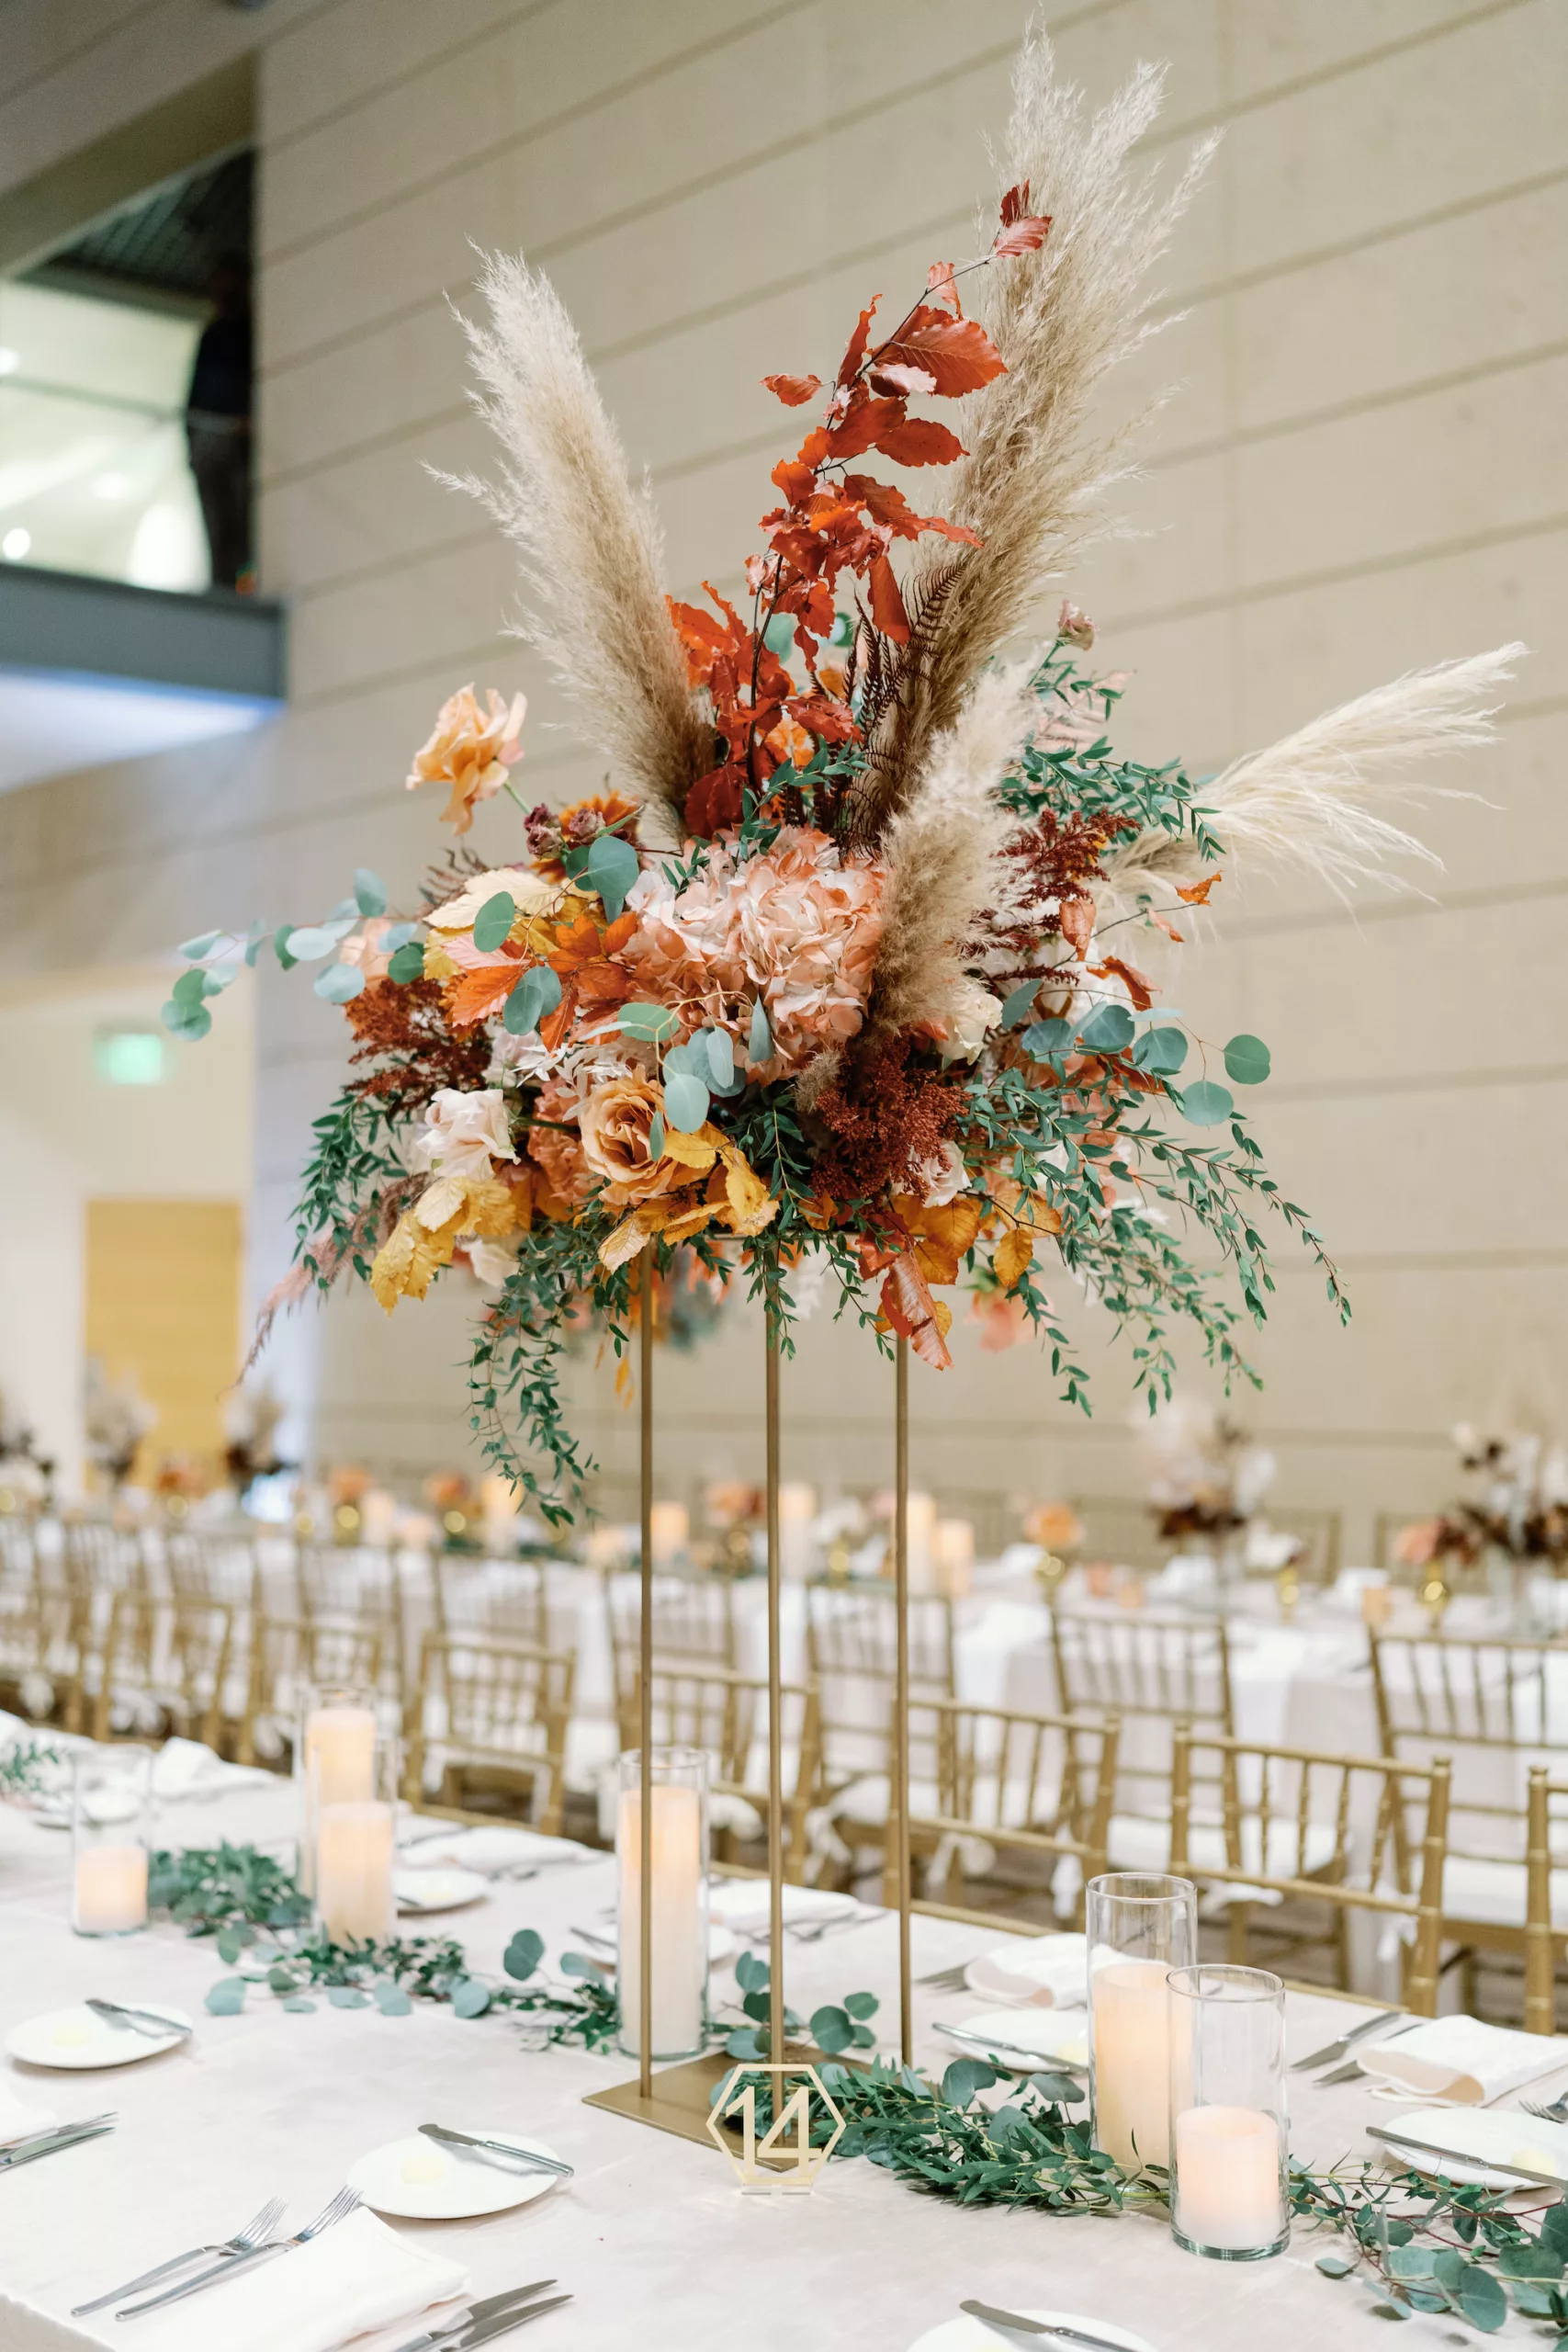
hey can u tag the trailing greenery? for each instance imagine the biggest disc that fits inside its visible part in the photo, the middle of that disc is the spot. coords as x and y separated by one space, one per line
1420 2246
28 1768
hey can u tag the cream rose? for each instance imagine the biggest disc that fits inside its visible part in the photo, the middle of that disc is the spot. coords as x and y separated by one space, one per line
464 1134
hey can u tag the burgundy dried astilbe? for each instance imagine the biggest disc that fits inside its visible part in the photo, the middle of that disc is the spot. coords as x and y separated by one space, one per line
408 1022
887 1113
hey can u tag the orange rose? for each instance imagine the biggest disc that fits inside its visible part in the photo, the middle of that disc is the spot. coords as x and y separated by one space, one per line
614 1123
470 751
1055 1525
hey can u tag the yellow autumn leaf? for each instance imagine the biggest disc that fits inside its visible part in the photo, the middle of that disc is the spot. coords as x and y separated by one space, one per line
490 1207
698 1151
628 1238
441 1201
408 1261
1014 1255
750 1204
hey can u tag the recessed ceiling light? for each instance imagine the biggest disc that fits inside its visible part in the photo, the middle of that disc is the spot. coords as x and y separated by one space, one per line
15 543
111 486
10 360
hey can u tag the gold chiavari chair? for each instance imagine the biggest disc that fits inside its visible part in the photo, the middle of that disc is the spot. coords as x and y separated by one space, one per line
1151 1673
1547 1899
1038 1787
1486 1703
1352 1832
493 1715
40 1665
726 1714
358 1586
166 1666
851 1649
693 1620
289 1656
98 1562
508 1597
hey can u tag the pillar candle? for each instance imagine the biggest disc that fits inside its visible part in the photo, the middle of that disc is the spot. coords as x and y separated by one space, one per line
111 1890
340 1754
955 1546
1227 2177
679 1921
378 1517
354 1870
671 1528
1132 2062
797 1510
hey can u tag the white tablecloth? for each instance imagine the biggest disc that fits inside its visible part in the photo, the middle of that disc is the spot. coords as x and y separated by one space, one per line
652 2238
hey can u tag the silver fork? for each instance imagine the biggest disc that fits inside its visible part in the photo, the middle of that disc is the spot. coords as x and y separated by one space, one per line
1554 2111
336 2209
946 1980
241 2243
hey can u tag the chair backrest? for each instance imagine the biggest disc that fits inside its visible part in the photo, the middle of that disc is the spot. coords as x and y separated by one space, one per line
852 1644
1355 1832
171 1658
292 1654
694 1618
508 1597
1546 1852
1034 1784
726 1714
1484 1702
211 1567
1138 1665
494 1702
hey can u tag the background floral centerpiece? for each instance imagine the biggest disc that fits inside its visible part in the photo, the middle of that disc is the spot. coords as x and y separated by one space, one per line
842 967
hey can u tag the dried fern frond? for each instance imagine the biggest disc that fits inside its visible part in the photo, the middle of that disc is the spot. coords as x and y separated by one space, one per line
943 851
1032 484
592 602
1315 801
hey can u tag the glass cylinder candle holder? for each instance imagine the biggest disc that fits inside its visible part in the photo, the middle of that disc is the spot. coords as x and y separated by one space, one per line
1139 1926
1229 2191
111 1837
352 1811
334 1758
680 1902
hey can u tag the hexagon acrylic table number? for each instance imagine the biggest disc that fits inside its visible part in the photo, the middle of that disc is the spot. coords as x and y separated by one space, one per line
756 2176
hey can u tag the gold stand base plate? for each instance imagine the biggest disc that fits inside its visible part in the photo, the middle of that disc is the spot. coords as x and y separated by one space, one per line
681 2098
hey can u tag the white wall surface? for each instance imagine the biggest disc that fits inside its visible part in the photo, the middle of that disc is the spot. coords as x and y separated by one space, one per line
1365 471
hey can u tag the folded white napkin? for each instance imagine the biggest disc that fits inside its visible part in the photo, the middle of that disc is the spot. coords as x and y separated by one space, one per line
357 2276
500 1849
1052 1971
1461 2060
743 1903
184 1767
18 2118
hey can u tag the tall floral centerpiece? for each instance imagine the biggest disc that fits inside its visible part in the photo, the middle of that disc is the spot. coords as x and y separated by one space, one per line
848 961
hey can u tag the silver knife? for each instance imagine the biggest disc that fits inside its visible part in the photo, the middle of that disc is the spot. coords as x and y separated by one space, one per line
1453 2157
489 2308
145 2021
47 2143
1347 2042
989 2313
524 2157
503 2322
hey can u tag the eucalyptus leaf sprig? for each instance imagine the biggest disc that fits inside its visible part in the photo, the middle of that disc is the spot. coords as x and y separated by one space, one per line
29 1769
835 2027
1423 2247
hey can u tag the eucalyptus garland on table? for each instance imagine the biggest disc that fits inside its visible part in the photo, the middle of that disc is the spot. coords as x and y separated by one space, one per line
258 1916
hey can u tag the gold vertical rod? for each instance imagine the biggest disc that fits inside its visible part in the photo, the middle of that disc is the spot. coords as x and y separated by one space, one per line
775 1715
645 1689
901 1687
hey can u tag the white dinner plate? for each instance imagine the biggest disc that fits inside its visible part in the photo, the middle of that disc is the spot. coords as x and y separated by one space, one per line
1503 2134
420 2180
967 2335
77 2040
1046 2037
437 1889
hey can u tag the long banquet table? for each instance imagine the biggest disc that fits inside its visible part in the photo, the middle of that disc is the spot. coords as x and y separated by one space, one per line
653 2237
